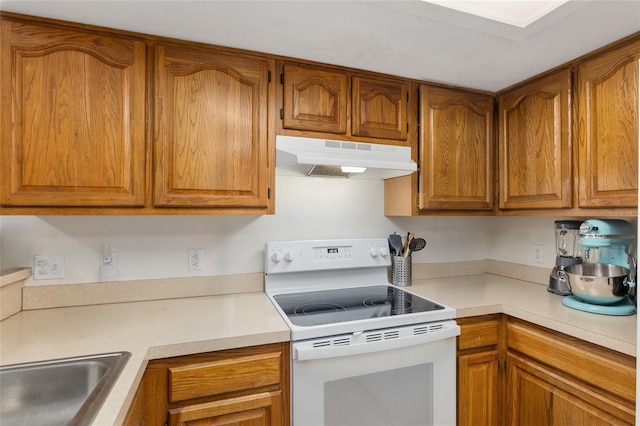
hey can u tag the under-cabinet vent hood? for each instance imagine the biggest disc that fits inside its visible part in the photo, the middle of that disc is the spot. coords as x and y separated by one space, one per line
324 157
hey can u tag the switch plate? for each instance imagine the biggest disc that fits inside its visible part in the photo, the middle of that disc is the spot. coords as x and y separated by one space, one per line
538 253
48 267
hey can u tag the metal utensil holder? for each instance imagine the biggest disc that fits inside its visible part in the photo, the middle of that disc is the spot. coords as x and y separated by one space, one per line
401 271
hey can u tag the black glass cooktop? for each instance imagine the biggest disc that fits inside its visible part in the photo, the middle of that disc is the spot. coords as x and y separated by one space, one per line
350 304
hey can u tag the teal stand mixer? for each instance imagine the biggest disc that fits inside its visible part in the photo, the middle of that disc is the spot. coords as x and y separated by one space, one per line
605 283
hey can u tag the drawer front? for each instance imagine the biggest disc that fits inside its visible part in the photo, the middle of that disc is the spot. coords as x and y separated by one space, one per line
217 377
478 334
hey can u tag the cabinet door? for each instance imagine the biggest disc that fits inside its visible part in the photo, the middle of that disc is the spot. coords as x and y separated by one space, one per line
379 108
539 396
73 114
457 150
262 409
608 128
211 141
478 389
315 99
535 144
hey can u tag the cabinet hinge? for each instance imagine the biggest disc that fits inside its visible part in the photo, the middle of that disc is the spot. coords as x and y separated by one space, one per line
407 127
282 78
281 114
269 76
269 193
407 97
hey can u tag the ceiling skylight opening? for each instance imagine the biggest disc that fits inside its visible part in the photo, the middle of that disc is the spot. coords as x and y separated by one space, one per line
518 13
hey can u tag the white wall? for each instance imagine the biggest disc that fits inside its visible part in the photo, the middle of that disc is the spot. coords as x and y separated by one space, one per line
306 208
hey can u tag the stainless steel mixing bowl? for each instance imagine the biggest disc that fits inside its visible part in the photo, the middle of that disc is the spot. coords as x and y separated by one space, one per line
598 283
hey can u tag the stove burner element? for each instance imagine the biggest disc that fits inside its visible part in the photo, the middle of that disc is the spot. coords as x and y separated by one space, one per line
318 308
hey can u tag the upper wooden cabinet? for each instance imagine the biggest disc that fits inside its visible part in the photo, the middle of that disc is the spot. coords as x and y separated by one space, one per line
534 139
210 134
332 101
456 150
608 128
315 99
73 114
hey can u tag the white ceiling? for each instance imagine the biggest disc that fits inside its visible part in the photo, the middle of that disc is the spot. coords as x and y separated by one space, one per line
412 39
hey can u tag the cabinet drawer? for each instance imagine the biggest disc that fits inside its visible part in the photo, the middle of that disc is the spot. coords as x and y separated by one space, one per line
600 367
227 375
478 334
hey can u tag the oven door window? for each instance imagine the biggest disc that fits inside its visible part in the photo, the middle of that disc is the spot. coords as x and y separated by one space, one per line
402 396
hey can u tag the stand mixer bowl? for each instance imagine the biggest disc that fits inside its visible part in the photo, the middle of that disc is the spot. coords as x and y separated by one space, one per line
598 283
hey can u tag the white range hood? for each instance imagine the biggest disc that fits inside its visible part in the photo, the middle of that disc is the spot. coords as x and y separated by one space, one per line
325 157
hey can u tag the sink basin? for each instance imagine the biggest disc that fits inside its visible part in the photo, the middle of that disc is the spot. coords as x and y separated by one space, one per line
66 391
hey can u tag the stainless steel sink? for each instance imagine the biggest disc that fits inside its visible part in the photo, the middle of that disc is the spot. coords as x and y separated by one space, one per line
66 391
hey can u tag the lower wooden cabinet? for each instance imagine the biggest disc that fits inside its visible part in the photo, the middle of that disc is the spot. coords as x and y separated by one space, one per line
511 372
479 378
244 386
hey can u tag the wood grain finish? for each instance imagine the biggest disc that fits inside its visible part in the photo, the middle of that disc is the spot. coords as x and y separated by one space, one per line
540 396
262 409
243 386
608 87
379 108
535 144
211 146
73 108
195 381
457 150
616 373
477 389
315 99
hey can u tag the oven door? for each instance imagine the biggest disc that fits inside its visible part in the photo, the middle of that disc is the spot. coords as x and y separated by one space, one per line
401 376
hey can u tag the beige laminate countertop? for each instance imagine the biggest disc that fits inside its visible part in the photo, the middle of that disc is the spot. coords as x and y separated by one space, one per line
174 327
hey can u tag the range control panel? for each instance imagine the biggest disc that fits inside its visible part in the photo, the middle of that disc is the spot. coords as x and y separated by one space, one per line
317 255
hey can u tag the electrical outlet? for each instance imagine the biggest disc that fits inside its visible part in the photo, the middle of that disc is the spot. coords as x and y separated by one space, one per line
538 253
48 267
195 259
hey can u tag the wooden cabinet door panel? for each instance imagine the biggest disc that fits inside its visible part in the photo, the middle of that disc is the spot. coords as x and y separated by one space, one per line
73 105
535 144
315 99
457 154
477 384
261 409
211 142
379 108
538 396
608 128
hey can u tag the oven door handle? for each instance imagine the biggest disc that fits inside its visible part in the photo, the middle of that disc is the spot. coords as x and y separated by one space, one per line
305 351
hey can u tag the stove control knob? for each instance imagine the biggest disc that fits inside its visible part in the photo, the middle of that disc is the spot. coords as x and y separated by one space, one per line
373 252
276 257
288 256
384 252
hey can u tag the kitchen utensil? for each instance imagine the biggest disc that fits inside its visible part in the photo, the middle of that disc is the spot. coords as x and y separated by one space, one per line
598 283
416 244
395 243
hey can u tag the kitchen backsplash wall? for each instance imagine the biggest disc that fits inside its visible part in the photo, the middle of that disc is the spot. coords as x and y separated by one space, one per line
149 247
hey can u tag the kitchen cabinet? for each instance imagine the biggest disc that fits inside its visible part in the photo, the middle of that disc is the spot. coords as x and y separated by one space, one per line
534 138
211 129
73 114
516 373
608 87
100 126
456 157
479 375
343 104
556 379
236 387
